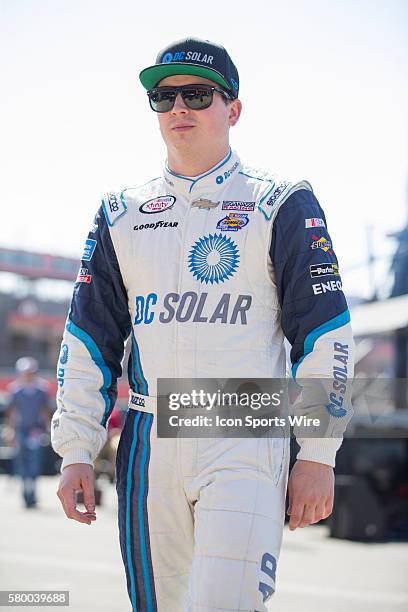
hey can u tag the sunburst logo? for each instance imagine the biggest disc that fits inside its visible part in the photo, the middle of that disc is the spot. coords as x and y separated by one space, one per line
213 258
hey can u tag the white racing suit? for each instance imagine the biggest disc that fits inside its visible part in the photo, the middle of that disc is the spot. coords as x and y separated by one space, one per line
205 277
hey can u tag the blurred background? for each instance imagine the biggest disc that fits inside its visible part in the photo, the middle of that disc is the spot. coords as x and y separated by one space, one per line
325 98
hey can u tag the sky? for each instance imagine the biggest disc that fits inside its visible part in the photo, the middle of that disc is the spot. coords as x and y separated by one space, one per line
324 92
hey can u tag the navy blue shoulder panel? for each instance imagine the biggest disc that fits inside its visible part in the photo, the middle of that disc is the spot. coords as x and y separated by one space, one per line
306 269
99 305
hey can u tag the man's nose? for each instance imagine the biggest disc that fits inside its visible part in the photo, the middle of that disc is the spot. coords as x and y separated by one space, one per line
179 105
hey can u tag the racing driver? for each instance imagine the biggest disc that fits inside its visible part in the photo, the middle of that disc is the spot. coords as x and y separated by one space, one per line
204 270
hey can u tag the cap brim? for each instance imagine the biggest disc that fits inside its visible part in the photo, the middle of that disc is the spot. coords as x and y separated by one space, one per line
150 76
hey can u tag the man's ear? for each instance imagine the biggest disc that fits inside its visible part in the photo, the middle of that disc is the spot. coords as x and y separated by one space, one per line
235 109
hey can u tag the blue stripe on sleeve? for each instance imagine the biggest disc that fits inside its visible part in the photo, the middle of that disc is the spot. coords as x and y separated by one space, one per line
97 358
315 334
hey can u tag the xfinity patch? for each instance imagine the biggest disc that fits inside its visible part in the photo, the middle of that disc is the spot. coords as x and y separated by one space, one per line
324 269
157 205
89 249
237 205
233 222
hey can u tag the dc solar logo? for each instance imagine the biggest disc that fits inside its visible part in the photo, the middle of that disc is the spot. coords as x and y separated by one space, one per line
213 259
167 58
64 354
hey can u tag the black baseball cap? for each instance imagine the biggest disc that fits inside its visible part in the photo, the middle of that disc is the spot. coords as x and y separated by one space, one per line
193 56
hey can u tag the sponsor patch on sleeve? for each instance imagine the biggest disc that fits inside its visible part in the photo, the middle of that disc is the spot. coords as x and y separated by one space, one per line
89 249
314 222
326 286
83 276
324 269
321 243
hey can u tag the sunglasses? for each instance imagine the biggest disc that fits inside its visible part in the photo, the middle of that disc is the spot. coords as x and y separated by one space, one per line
195 97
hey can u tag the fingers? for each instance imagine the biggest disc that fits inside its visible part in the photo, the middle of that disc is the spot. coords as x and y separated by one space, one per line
328 509
311 493
296 515
303 514
67 498
75 479
322 511
89 493
318 514
308 513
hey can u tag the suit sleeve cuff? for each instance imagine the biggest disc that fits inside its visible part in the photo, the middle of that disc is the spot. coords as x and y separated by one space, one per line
321 450
76 455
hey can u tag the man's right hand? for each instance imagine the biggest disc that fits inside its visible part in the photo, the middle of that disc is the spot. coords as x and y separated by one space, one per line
78 477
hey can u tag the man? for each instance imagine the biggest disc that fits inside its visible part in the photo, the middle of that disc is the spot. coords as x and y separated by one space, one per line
205 269
29 417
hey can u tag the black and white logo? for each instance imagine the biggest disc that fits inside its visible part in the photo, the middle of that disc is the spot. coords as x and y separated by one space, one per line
324 269
156 225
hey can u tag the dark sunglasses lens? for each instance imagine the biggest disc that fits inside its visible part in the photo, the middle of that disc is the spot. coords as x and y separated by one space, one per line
197 99
162 101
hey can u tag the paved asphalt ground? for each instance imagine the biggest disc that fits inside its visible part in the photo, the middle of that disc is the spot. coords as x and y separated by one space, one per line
41 549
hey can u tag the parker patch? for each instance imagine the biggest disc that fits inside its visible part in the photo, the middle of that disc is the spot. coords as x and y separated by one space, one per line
324 269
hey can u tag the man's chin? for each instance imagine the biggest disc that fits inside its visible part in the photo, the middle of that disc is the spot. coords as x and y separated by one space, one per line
183 141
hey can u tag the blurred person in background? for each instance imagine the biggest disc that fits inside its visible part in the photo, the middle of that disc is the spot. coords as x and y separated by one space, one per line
29 416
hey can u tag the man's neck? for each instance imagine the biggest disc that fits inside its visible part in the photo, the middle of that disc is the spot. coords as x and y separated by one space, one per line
189 164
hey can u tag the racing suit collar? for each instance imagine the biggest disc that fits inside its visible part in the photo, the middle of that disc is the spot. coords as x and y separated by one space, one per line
207 183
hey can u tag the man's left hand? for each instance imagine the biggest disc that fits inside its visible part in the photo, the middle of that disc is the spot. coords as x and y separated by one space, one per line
311 493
